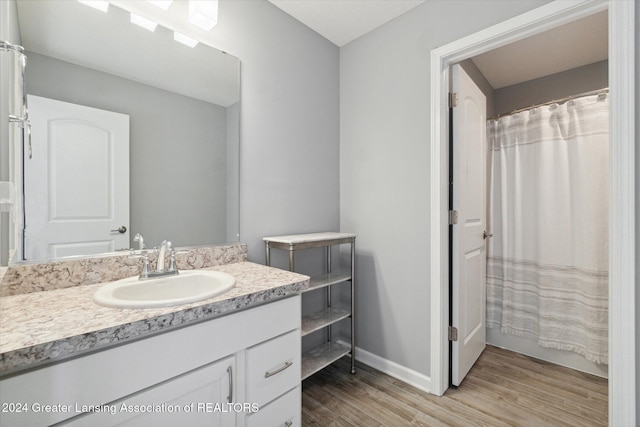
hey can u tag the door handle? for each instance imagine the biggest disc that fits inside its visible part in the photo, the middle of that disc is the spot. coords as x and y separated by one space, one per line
280 369
122 229
485 234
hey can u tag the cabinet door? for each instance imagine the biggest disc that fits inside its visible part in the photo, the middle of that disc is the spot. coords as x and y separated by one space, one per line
198 398
282 412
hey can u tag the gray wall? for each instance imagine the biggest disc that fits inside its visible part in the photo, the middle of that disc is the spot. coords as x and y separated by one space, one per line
289 154
290 115
177 149
384 158
571 82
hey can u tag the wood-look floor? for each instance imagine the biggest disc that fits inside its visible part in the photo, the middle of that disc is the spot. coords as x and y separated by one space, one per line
502 389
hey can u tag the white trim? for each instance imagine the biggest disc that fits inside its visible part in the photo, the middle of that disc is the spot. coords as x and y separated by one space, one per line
622 342
622 217
395 370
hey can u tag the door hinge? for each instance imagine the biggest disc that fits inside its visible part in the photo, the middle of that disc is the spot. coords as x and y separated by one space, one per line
453 217
453 99
453 333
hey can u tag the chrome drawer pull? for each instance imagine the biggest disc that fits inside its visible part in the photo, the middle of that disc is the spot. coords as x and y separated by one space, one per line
280 369
288 423
230 372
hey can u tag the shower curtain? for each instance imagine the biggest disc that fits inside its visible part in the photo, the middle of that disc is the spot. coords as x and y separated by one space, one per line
547 263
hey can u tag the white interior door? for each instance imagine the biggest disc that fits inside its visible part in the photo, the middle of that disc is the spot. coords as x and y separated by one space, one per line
76 181
468 244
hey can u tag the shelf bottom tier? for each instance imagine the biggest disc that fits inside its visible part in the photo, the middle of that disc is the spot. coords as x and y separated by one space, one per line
319 357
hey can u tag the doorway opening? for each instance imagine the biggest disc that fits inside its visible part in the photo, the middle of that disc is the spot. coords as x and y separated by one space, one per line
622 132
544 208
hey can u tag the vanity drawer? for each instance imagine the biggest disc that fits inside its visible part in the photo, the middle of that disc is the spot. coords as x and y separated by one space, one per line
282 412
273 367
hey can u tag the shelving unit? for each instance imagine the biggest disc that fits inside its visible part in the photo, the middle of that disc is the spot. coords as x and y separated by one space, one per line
332 350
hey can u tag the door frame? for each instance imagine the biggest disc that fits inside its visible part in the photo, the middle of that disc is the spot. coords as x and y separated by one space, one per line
622 327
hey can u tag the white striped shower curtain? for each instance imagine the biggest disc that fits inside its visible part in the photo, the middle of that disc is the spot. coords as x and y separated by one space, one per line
547 264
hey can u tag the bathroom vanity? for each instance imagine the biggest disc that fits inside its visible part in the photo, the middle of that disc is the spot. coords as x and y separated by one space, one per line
229 360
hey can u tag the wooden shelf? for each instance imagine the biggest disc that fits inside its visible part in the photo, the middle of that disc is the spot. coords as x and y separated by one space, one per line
319 357
321 319
328 279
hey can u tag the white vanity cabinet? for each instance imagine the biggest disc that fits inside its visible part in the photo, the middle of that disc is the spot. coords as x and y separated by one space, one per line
273 381
190 400
227 371
283 412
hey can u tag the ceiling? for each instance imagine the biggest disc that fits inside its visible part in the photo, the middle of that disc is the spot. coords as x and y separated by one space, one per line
578 43
341 21
573 45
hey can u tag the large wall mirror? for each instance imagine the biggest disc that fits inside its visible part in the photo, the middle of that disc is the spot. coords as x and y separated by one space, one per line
181 105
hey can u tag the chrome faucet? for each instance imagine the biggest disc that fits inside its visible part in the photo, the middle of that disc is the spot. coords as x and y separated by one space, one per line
146 272
160 269
160 263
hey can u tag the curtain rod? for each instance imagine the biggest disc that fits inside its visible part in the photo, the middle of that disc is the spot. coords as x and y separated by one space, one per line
555 101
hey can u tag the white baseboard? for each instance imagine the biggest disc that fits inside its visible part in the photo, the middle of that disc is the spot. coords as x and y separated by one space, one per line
393 369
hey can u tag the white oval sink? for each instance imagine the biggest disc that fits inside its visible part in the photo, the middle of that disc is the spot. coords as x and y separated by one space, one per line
187 287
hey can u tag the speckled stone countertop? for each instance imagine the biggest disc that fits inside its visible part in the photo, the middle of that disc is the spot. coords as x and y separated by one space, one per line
41 327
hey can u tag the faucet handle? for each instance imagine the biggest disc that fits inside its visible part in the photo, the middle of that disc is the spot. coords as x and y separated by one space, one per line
146 269
172 262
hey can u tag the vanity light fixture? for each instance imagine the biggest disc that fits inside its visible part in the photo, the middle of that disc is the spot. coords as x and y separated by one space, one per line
101 5
143 22
162 4
186 40
203 13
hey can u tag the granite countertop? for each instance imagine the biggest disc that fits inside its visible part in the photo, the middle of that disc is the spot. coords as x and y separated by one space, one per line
48 326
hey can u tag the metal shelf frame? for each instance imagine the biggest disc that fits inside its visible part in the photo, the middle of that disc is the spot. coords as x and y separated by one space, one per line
319 357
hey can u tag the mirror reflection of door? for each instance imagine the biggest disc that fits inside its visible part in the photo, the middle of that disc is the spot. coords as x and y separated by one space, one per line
77 180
